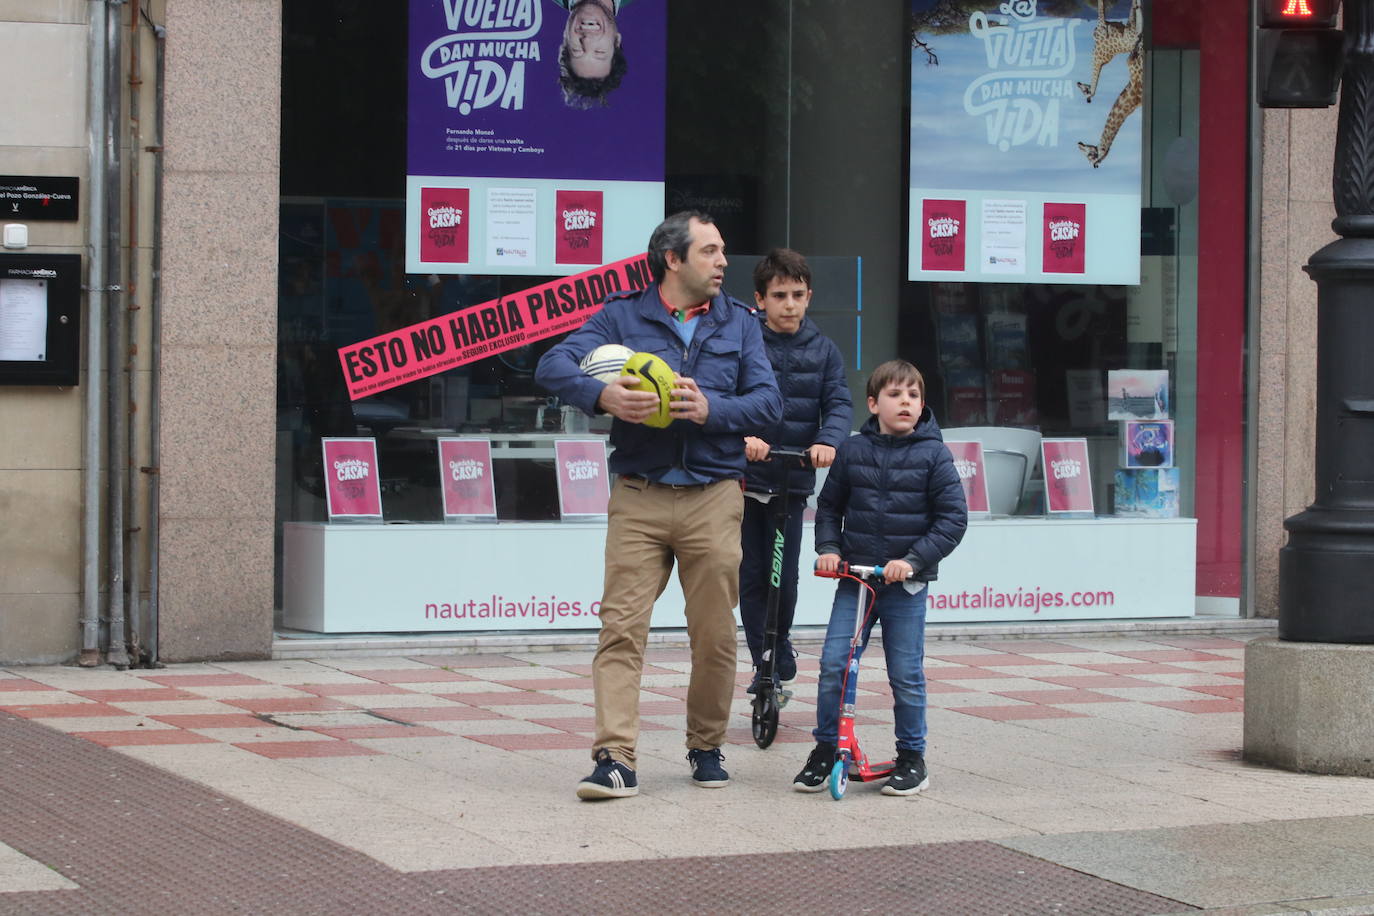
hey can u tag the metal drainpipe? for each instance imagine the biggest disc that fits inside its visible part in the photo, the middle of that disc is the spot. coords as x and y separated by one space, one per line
154 469
118 396
95 372
134 556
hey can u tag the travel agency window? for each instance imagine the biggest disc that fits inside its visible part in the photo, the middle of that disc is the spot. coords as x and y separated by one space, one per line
1057 296
451 207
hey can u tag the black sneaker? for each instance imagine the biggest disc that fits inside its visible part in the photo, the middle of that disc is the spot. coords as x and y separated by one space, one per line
753 687
610 779
706 769
908 776
787 662
817 770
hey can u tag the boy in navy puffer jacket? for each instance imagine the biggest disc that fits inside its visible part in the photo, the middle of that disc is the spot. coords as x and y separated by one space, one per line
817 411
892 498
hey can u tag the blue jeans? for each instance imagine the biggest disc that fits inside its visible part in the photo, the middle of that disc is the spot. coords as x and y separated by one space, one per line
903 619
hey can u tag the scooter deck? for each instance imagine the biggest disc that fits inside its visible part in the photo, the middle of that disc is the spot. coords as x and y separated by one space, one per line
873 772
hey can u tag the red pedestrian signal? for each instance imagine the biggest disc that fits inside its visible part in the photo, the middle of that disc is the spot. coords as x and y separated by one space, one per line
1298 14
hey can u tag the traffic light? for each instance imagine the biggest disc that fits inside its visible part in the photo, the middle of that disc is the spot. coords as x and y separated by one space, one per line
1299 53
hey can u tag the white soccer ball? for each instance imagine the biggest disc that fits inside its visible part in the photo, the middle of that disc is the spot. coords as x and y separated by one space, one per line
605 362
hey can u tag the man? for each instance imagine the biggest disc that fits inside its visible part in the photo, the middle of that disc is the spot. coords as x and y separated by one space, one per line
677 495
590 61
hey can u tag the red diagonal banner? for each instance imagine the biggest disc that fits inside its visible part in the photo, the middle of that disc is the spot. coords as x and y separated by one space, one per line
479 331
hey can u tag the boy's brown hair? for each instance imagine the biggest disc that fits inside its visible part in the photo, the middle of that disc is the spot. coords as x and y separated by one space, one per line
895 371
784 263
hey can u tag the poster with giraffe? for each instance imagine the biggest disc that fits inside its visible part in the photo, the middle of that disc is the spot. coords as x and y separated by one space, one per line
1026 140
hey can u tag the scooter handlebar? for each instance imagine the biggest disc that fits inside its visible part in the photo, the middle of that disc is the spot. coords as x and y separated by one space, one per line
852 569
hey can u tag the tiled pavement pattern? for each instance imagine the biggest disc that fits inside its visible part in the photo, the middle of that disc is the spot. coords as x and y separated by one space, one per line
424 780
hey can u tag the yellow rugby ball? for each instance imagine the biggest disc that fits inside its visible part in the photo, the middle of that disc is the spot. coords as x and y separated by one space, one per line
656 376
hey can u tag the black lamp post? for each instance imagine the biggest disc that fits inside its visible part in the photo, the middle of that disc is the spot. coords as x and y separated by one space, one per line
1326 570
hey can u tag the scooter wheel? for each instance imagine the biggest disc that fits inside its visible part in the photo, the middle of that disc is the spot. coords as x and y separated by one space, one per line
765 720
839 779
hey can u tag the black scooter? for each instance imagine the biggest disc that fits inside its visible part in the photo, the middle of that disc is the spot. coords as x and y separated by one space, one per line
769 697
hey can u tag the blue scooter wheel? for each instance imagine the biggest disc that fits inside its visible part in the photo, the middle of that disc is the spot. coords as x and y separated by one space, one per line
839 778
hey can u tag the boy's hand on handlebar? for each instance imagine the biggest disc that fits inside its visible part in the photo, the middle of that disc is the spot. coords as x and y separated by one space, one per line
755 449
897 571
822 456
828 562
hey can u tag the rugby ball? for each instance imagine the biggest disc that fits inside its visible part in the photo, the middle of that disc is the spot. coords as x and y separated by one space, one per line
656 376
605 362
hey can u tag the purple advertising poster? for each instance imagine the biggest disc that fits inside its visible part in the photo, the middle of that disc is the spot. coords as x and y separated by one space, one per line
514 103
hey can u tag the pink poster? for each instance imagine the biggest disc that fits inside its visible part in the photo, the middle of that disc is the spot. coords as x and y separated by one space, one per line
942 243
444 219
578 219
583 478
1068 485
465 477
352 484
968 461
1065 238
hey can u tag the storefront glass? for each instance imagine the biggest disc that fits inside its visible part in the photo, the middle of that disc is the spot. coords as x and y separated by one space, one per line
788 121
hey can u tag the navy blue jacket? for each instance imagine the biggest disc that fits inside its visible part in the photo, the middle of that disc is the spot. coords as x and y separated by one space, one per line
816 407
889 497
726 359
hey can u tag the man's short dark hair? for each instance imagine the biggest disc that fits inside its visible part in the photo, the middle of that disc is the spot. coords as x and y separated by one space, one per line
895 371
585 92
673 234
781 264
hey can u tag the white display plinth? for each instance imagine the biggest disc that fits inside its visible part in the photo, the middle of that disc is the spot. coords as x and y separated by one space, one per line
402 578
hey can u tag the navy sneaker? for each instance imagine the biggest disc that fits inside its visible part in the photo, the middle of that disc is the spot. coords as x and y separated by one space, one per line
909 775
753 687
610 779
706 769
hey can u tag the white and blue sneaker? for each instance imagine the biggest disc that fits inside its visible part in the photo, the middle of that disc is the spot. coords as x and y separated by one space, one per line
610 779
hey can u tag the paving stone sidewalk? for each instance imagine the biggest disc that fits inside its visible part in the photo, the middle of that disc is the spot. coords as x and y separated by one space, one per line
1069 776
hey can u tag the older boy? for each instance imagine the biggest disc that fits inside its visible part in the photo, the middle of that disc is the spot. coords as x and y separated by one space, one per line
816 415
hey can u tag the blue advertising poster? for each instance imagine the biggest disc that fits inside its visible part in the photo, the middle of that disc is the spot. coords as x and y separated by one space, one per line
535 135
1026 141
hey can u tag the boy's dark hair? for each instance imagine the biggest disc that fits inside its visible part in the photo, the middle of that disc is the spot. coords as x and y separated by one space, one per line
673 234
781 263
895 371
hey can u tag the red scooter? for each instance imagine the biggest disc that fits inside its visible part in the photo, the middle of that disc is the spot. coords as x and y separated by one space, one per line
850 760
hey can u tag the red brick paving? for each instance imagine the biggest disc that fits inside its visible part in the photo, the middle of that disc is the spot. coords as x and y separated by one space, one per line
959 672
469 661
354 732
19 683
1030 646
142 737
1229 691
1137 668
65 710
1003 660
435 713
204 680
1011 713
548 741
503 698
413 675
1175 655
146 694
282 750
350 690
288 704
549 683
1201 706
1054 697
1098 680
214 720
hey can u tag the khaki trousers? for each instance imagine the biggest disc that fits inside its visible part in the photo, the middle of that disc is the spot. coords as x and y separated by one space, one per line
648 526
